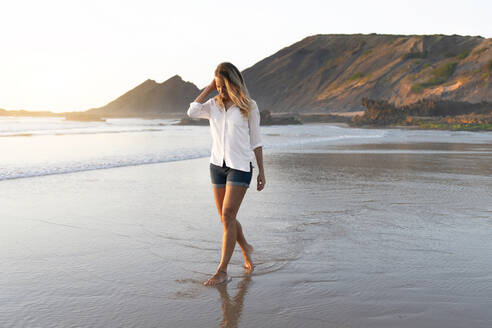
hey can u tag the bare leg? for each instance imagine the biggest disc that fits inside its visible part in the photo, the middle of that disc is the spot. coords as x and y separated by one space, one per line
246 248
232 200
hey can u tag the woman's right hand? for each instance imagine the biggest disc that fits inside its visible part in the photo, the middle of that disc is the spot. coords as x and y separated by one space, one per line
205 92
212 86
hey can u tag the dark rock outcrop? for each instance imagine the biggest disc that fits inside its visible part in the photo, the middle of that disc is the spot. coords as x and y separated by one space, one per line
383 113
265 119
192 121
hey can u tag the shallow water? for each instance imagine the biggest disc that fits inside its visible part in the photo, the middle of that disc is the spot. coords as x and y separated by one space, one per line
392 239
388 230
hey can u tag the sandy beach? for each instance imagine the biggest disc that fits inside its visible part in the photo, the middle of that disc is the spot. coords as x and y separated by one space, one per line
114 225
354 235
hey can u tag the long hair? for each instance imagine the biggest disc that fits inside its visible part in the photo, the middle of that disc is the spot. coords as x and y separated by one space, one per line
235 87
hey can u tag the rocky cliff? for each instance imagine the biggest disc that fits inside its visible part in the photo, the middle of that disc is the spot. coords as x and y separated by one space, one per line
334 72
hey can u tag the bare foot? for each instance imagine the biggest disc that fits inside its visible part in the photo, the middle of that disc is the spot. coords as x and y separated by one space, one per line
218 278
248 262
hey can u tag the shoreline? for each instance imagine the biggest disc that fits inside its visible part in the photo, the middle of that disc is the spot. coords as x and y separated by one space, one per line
417 127
472 127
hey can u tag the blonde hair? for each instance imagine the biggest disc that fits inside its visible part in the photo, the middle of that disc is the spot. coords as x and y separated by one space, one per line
235 87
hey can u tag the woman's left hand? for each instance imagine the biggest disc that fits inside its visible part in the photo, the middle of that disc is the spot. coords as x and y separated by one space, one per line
260 181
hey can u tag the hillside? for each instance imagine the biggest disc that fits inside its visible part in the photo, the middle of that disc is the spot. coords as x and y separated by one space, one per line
334 72
151 99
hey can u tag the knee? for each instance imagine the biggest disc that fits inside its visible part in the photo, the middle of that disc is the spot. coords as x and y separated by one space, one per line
228 217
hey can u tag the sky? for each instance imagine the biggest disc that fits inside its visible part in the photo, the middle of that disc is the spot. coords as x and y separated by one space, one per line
74 55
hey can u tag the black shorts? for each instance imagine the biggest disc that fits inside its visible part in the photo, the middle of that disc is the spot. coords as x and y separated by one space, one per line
221 176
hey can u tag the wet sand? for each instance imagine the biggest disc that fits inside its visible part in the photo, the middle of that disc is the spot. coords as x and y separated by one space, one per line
373 235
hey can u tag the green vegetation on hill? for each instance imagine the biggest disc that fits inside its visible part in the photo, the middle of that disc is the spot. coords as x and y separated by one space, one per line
457 126
390 42
413 55
463 54
439 75
487 69
479 51
355 76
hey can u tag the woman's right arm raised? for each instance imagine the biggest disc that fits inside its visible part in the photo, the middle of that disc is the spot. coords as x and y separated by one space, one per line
197 108
211 87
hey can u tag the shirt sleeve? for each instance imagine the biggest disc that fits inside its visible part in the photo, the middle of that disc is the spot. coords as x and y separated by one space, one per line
198 110
254 127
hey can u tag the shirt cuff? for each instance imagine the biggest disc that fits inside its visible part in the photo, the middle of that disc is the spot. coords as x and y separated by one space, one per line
259 144
194 108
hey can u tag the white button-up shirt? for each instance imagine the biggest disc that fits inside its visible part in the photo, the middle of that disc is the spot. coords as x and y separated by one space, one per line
233 136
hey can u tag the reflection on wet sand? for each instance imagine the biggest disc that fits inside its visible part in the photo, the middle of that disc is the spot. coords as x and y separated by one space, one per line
232 308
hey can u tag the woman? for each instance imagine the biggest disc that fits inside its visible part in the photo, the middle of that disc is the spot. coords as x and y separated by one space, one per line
235 127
